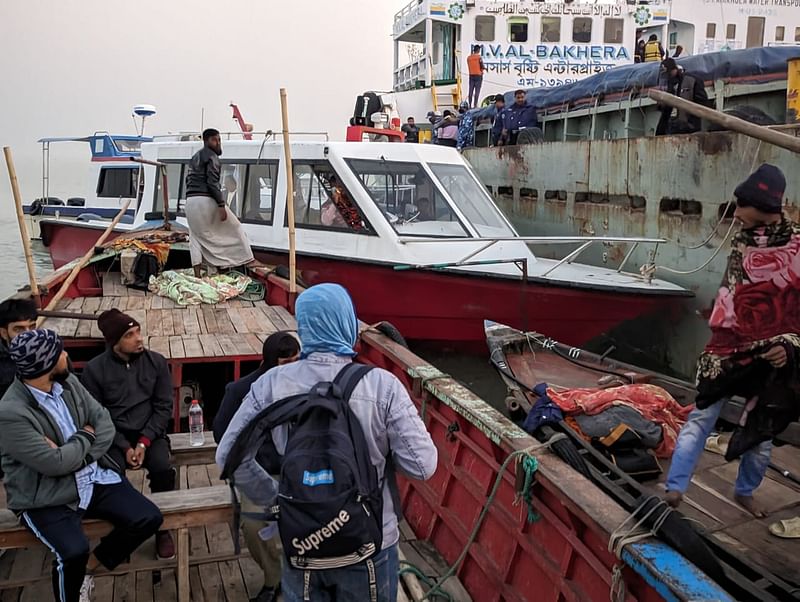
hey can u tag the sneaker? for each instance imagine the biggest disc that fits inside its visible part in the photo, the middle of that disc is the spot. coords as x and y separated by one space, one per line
165 547
86 589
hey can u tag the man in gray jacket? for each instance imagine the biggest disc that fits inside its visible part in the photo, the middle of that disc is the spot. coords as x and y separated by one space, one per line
394 433
54 439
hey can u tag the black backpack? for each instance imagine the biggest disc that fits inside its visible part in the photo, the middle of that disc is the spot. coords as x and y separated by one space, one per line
330 505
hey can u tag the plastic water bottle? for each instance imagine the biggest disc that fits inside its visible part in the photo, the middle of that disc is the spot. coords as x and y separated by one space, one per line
196 434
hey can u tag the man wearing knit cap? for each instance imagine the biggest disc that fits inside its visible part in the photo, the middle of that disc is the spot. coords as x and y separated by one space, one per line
54 439
754 351
134 385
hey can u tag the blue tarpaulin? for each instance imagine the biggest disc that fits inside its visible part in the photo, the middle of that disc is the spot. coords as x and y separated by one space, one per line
709 67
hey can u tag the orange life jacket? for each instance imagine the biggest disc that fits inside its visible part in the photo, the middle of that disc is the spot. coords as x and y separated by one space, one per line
474 64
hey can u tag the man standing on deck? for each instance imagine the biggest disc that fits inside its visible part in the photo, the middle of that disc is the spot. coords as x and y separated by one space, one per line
411 131
215 235
497 118
392 428
16 316
750 352
518 116
135 386
54 437
476 70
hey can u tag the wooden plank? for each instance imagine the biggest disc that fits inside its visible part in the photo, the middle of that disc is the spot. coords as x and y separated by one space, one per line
224 325
243 345
265 323
106 304
135 303
237 320
211 347
191 325
166 323
156 301
167 589
201 320
210 319
177 321
125 588
91 305
84 330
176 350
182 571
154 328
144 587
104 588
254 342
135 292
288 319
276 319
229 348
108 285
233 581
192 346
253 576
159 345
251 317
168 303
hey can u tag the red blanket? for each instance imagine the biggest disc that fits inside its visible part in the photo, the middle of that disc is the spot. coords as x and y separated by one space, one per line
652 402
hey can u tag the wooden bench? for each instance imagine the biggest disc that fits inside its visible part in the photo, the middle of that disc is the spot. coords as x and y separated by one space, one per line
181 509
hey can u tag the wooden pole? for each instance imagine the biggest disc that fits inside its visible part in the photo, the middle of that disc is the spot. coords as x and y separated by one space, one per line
84 260
287 154
23 228
729 122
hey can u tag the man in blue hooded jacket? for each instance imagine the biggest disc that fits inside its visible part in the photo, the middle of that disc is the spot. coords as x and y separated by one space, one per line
328 330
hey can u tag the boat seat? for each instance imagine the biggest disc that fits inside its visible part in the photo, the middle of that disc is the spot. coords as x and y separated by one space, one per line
182 509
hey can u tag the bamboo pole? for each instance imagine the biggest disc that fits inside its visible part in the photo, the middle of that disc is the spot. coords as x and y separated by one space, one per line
415 588
84 260
287 154
23 228
730 122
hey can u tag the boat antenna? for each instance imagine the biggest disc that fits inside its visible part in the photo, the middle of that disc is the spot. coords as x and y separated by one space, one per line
143 111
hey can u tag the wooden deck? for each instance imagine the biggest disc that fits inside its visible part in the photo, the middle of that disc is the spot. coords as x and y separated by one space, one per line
231 329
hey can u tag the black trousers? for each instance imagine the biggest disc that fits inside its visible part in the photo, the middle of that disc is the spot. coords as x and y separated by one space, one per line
135 519
160 473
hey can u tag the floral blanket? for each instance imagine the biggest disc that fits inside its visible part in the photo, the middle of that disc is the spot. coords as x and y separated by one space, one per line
757 308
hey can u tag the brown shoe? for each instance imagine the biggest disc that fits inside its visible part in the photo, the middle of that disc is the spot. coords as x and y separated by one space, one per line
165 547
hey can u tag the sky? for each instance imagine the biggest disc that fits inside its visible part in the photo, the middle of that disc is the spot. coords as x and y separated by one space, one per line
73 67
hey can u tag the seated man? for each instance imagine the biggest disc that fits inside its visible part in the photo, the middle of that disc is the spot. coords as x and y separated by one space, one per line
54 439
135 386
16 316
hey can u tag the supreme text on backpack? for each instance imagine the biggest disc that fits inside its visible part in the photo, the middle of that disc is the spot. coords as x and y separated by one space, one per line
329 507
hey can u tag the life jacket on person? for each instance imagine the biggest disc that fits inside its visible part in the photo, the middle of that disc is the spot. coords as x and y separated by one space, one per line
652 51
474 64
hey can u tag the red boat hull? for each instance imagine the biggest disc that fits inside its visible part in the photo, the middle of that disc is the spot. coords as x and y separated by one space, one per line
428 305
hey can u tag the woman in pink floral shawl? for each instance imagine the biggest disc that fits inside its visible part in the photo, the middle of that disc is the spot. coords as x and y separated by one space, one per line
754 349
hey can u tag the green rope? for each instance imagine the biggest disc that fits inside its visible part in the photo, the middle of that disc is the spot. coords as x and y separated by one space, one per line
407 567
255 291
529 466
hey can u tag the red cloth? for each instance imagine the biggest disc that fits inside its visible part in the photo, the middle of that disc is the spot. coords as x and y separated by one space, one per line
652 402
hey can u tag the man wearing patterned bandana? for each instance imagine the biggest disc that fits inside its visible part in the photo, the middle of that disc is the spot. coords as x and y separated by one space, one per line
54 439
754 351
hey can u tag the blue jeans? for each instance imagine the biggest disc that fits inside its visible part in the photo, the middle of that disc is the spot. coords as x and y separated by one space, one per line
475 83
691 441
350 584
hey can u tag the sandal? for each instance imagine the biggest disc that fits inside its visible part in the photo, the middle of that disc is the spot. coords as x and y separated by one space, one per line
788 528
717 444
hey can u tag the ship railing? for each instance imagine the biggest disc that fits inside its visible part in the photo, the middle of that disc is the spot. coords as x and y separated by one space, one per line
258 136
584 243
411 14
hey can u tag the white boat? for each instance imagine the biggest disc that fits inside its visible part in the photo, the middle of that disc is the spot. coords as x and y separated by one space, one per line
420 242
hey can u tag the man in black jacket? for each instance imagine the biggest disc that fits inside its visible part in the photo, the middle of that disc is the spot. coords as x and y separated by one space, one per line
215 234
688 87
134 385
16 316
279 349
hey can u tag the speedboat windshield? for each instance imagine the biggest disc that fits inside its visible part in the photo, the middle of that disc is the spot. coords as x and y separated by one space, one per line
408 198
472 199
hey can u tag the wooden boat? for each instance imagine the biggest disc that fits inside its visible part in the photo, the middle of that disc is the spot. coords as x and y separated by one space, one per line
465 516
757 565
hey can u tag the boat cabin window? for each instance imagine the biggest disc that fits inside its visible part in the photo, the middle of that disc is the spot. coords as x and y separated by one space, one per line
518 29
259 194
322 201
232 178
484 28
711 31
472 198
730 31
408 198
780 33
551 30
127 146
118 182
613 31
582 30
797 34
176 182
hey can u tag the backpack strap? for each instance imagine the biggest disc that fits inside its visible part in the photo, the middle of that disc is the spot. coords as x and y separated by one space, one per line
349 377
